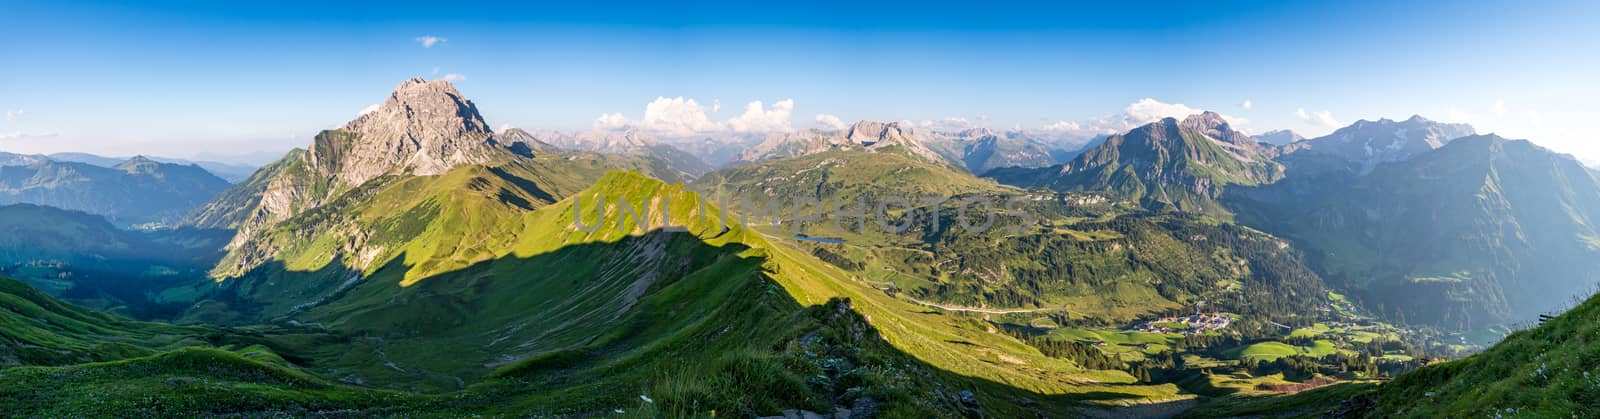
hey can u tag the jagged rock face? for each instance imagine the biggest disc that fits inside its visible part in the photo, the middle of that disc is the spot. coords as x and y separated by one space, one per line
1212 125
876 135
1370 143
425 127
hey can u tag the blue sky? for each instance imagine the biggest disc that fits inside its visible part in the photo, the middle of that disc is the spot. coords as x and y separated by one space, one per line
183 78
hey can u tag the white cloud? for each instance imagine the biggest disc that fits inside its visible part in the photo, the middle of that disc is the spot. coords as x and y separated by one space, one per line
505 127
948 124
1535 118
1247 104
1322 119
12 116
758 119
1458 116
369 109
831 122
453 77
611 121
1499 108
677 116
428 41
1138 113
684 116
952 123
716 105
436 71
1063 126
1148 110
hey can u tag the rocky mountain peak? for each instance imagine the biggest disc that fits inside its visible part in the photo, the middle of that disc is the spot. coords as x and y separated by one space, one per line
1213 125
1206 122
878 135
424 128
870 132
426 109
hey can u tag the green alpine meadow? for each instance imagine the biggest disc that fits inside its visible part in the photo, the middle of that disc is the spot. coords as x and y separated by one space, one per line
838 210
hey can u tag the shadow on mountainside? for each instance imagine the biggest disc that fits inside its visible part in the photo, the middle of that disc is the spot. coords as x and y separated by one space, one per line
590 328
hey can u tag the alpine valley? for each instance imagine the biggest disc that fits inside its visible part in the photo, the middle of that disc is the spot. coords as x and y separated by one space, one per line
416 262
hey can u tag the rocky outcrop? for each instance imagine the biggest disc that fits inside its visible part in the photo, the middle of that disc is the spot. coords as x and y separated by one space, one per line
424 128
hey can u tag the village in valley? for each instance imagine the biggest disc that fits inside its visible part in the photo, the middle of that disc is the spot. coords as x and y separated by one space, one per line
1187 325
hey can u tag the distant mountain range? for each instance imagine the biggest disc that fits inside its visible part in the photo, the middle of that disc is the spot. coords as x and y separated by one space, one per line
1279 137
977 150
980 150
627 143
1370 143
232 172
135 191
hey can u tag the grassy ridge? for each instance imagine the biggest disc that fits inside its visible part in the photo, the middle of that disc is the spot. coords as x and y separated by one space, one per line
1547 371
36 329
731 314
184 382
